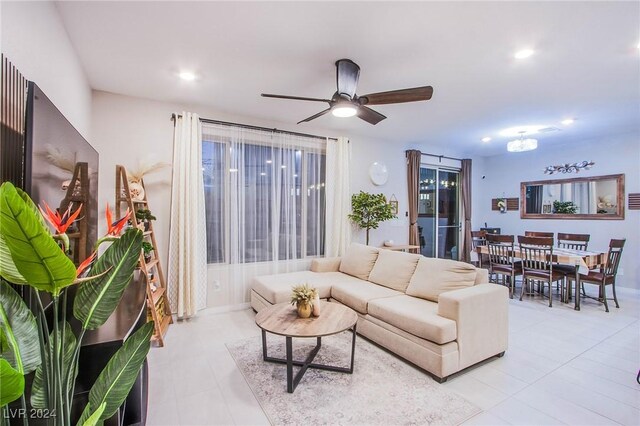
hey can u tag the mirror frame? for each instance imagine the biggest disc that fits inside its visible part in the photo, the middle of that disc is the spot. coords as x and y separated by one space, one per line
619 215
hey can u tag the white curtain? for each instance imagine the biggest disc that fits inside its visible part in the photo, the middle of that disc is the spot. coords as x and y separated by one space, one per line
187 239
338 197
265 204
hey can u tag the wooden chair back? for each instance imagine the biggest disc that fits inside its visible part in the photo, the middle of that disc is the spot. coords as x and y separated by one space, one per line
573 241
613 257
538 234
537 256
500 249
478 238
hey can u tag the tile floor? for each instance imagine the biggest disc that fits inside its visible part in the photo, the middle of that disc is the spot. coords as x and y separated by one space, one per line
562 367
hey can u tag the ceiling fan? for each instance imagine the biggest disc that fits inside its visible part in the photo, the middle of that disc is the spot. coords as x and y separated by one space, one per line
345 102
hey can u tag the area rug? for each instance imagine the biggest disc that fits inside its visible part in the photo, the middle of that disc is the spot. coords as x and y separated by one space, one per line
383 389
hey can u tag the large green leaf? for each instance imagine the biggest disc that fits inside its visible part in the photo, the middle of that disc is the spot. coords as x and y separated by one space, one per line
93 419
8 269
117 378
20 331
38 396
96 299
11 383
35 253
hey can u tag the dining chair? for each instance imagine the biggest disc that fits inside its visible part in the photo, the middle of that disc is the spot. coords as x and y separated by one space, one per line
502 260
573 241
538 234
478 238
605 276
538 265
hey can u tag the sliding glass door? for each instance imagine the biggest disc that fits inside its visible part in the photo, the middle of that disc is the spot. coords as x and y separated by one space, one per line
439 212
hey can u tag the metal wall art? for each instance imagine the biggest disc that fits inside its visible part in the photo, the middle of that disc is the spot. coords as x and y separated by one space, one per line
569 168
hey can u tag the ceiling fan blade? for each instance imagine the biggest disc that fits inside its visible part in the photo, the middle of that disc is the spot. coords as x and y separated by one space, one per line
295 98
415 94
347 74
369 115
313 117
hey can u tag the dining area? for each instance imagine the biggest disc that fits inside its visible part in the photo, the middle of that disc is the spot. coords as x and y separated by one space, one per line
550 266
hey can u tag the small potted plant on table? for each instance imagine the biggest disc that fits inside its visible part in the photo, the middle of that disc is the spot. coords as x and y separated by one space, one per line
302 297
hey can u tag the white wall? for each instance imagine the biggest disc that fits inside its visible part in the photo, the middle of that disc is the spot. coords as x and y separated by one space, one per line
503 174
35 41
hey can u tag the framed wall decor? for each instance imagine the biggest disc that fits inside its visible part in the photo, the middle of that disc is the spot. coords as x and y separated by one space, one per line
393 202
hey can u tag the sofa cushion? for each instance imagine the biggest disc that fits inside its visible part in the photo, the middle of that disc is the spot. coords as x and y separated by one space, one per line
277 288
394 269
359 260
415 316
435 276
357 295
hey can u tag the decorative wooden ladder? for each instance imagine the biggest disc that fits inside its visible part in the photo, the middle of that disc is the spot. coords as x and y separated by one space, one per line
78 195
158 308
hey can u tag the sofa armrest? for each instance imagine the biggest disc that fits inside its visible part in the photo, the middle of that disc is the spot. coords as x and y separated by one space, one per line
325 264
482 276
481 313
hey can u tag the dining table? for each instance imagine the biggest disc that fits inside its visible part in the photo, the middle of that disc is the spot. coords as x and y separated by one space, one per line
582 260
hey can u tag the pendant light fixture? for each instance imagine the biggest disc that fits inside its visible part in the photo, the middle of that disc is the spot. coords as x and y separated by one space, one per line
522 144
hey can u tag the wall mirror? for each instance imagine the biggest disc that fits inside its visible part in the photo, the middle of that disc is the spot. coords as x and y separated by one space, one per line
596 197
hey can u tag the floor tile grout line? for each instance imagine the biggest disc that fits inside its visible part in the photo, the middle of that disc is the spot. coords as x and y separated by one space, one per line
557 368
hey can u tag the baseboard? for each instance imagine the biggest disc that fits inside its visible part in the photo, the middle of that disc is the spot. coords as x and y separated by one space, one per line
223 309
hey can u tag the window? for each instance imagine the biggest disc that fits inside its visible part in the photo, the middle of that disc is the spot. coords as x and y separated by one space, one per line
264 195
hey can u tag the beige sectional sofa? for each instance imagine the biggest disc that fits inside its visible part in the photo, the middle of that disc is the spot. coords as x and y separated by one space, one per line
441 315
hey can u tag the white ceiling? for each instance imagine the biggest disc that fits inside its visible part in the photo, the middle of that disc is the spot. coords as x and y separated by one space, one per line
587 64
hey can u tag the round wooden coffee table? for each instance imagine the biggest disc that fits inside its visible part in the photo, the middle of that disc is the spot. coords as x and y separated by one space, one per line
282 319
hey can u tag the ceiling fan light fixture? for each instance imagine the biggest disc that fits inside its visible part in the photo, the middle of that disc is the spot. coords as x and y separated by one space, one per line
344 111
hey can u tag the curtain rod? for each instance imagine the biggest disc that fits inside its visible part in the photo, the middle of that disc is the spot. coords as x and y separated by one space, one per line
441 157
247 126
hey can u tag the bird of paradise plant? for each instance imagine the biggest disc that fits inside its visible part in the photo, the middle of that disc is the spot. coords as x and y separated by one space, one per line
47 347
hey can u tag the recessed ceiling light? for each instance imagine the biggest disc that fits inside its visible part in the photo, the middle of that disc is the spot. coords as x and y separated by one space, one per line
525 53
568 121
187 76
269 161
486 139
523 130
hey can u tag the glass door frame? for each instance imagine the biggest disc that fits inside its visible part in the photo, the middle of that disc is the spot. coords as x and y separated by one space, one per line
446 168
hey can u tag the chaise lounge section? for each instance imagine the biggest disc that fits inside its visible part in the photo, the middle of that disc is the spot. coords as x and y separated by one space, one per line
441 315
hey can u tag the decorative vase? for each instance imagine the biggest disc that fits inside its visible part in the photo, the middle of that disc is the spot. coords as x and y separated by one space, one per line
304 309
316 306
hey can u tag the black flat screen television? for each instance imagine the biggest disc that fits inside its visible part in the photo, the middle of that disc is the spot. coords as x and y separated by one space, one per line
53 151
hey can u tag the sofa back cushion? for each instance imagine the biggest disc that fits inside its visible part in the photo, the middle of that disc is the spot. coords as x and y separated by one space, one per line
359 260
435 276
394 269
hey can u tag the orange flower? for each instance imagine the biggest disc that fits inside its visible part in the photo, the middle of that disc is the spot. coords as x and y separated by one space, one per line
85 264
114 228
60 223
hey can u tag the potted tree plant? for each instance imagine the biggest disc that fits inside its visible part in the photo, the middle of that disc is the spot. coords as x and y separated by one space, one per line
368 210
145 216
564 207
41 344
